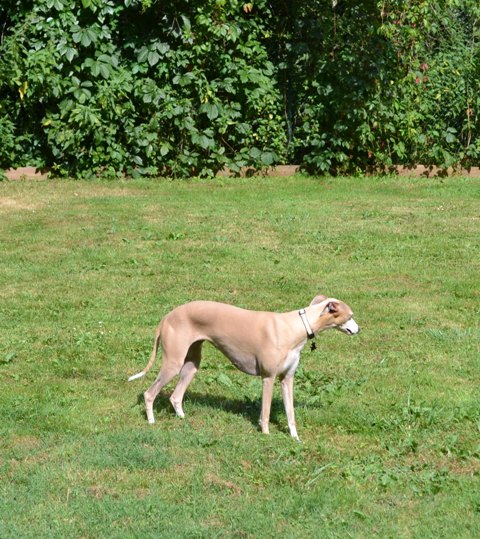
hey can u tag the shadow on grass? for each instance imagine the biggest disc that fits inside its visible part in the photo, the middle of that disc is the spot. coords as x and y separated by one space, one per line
245 408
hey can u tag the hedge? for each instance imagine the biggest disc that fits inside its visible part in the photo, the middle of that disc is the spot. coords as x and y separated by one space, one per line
103 87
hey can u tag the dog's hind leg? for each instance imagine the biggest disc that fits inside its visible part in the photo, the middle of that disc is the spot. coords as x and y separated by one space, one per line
173 359
187 373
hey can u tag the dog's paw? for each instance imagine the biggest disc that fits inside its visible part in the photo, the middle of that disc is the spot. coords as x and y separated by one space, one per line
177 406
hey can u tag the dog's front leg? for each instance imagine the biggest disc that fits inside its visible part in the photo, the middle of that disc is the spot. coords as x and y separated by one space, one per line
287 394
267 391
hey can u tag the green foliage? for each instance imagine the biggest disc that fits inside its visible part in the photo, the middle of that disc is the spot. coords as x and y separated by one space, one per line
187 88
379 83
427 108
103 87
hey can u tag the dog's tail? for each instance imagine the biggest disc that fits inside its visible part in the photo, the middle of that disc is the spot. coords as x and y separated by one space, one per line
152 357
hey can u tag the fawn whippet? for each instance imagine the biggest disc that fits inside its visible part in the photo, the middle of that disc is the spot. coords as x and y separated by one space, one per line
259 343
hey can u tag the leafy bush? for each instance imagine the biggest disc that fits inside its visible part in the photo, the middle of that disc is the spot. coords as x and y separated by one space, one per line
102 87
381 83
427 108
189 87
335 54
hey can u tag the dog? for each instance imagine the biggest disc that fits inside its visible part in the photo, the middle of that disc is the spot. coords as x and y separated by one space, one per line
259 343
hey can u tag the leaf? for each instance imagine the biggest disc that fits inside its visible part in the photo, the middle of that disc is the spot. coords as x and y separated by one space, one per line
183 80
210 109
95 69
186 23
203 141
153 57
142 54
70 54
92 34
77 36
163 48
93 119
106 59
58 5
85 39
176 236
8 358
268 158
223 379
104 70
164 149
22 90
255 153
450 135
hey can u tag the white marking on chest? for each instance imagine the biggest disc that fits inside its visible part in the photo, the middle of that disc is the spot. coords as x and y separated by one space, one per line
293 357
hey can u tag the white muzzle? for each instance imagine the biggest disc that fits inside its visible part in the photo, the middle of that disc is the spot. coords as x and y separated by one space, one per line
350 327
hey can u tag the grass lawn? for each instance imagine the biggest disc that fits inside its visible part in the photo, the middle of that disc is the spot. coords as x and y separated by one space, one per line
390 419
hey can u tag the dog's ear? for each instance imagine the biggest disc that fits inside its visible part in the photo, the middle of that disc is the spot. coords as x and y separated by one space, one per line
318 299
332 307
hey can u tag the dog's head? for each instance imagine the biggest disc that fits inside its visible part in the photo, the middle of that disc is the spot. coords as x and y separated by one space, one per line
336 315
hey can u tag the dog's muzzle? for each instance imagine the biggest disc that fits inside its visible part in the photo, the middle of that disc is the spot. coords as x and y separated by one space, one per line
350 327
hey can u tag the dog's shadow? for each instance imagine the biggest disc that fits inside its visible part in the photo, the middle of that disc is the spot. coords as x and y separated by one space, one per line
246 408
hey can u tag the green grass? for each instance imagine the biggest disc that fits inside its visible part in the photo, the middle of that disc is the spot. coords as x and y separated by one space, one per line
390 419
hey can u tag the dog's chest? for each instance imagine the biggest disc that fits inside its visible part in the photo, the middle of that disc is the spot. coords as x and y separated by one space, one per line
291 361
